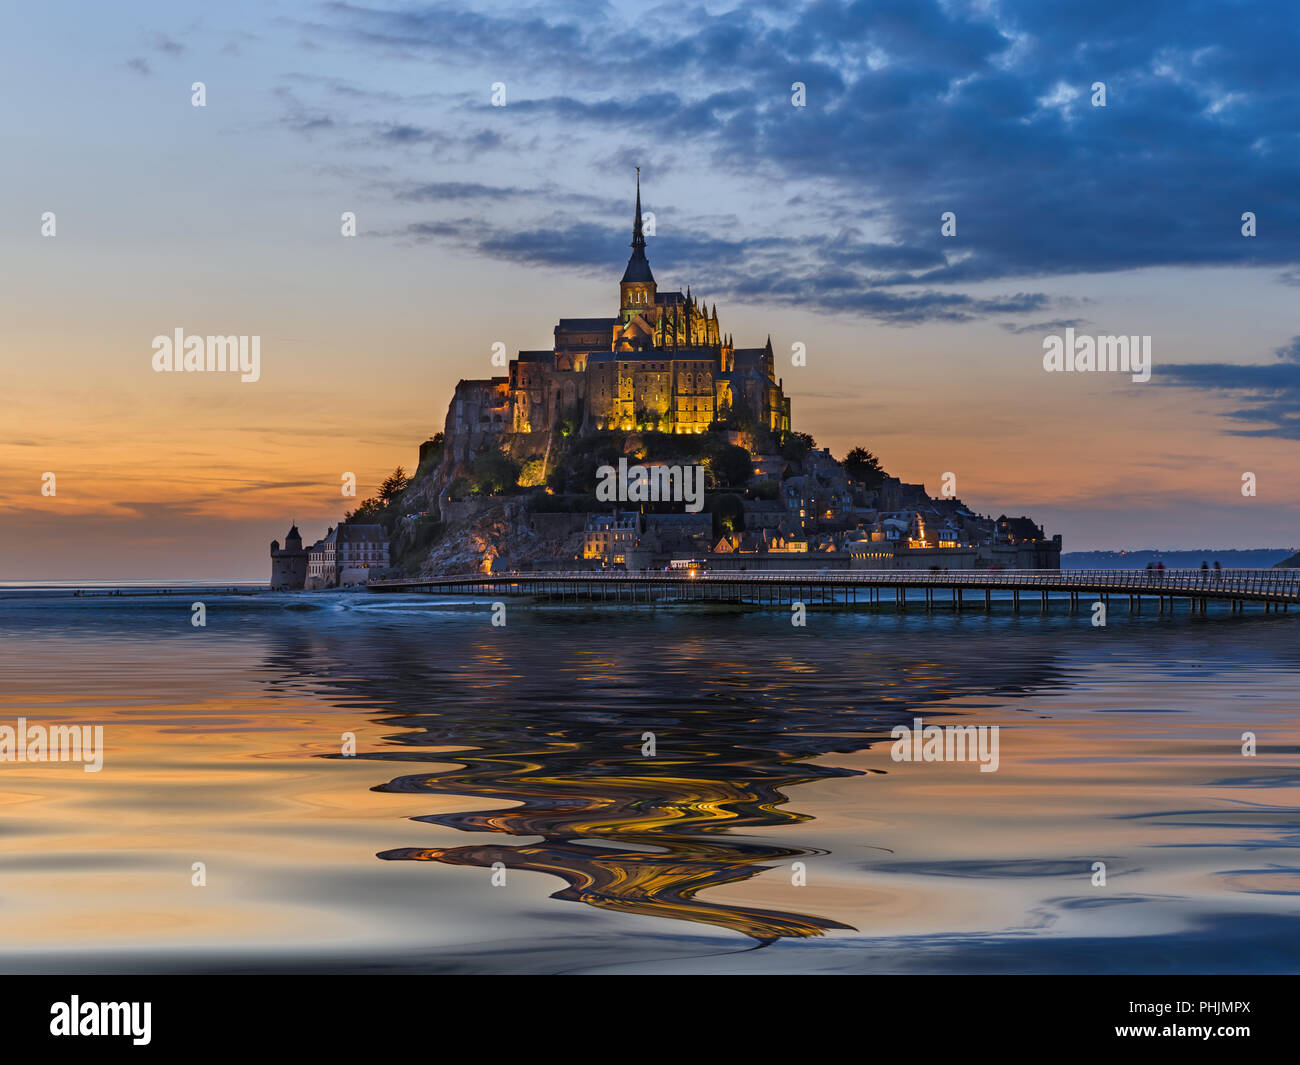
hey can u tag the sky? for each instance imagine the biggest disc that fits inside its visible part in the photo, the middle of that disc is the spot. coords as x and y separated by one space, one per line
817 225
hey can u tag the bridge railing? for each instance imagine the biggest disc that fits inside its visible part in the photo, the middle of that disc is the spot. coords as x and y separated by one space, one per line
1247 582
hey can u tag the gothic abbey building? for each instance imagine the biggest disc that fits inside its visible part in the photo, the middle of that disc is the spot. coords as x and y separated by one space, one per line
662 363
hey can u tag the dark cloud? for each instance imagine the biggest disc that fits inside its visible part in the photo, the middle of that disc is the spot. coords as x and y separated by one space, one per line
427 230
444 191
407 135
160 42
1270 392
1289 352
310 124
1054 326
159 512
914 108
300 117
791 271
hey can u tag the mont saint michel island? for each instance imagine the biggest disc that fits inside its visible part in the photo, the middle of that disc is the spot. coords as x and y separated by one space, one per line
635 440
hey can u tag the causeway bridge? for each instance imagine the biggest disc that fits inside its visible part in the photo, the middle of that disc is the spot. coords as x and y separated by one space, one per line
1188 591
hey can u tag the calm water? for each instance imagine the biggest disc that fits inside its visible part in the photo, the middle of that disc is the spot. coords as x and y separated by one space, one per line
521 745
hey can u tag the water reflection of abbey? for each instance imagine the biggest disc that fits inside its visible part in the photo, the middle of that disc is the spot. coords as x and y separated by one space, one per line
562 739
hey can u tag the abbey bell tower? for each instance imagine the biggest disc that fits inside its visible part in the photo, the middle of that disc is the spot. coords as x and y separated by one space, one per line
637 289
661 364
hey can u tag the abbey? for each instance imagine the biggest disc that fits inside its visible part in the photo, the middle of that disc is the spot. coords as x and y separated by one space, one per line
662 363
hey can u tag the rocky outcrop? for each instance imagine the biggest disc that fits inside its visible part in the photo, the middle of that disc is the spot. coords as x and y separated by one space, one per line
500 532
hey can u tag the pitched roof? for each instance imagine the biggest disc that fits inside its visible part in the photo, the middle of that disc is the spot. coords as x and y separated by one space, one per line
570 325
638 269
350 533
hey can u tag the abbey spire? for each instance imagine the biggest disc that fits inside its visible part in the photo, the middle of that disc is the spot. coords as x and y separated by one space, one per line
638 266
637 289
638 237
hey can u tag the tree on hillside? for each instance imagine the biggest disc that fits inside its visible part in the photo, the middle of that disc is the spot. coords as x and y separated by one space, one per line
729 465
861 465
394 485
368 512
574 465
531 473
491 472
794 446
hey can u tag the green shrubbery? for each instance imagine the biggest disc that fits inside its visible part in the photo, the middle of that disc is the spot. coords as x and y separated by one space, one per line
492 473
385 508
726 465
574 469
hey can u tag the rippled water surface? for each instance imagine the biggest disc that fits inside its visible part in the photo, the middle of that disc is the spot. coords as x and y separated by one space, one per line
770 831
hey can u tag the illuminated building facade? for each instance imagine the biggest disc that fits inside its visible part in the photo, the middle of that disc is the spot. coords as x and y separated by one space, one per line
662 363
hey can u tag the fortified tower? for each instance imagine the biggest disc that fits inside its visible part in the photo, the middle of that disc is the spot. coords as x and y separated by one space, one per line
288 563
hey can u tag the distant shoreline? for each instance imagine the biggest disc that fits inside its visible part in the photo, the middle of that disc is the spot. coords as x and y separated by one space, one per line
1229 558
